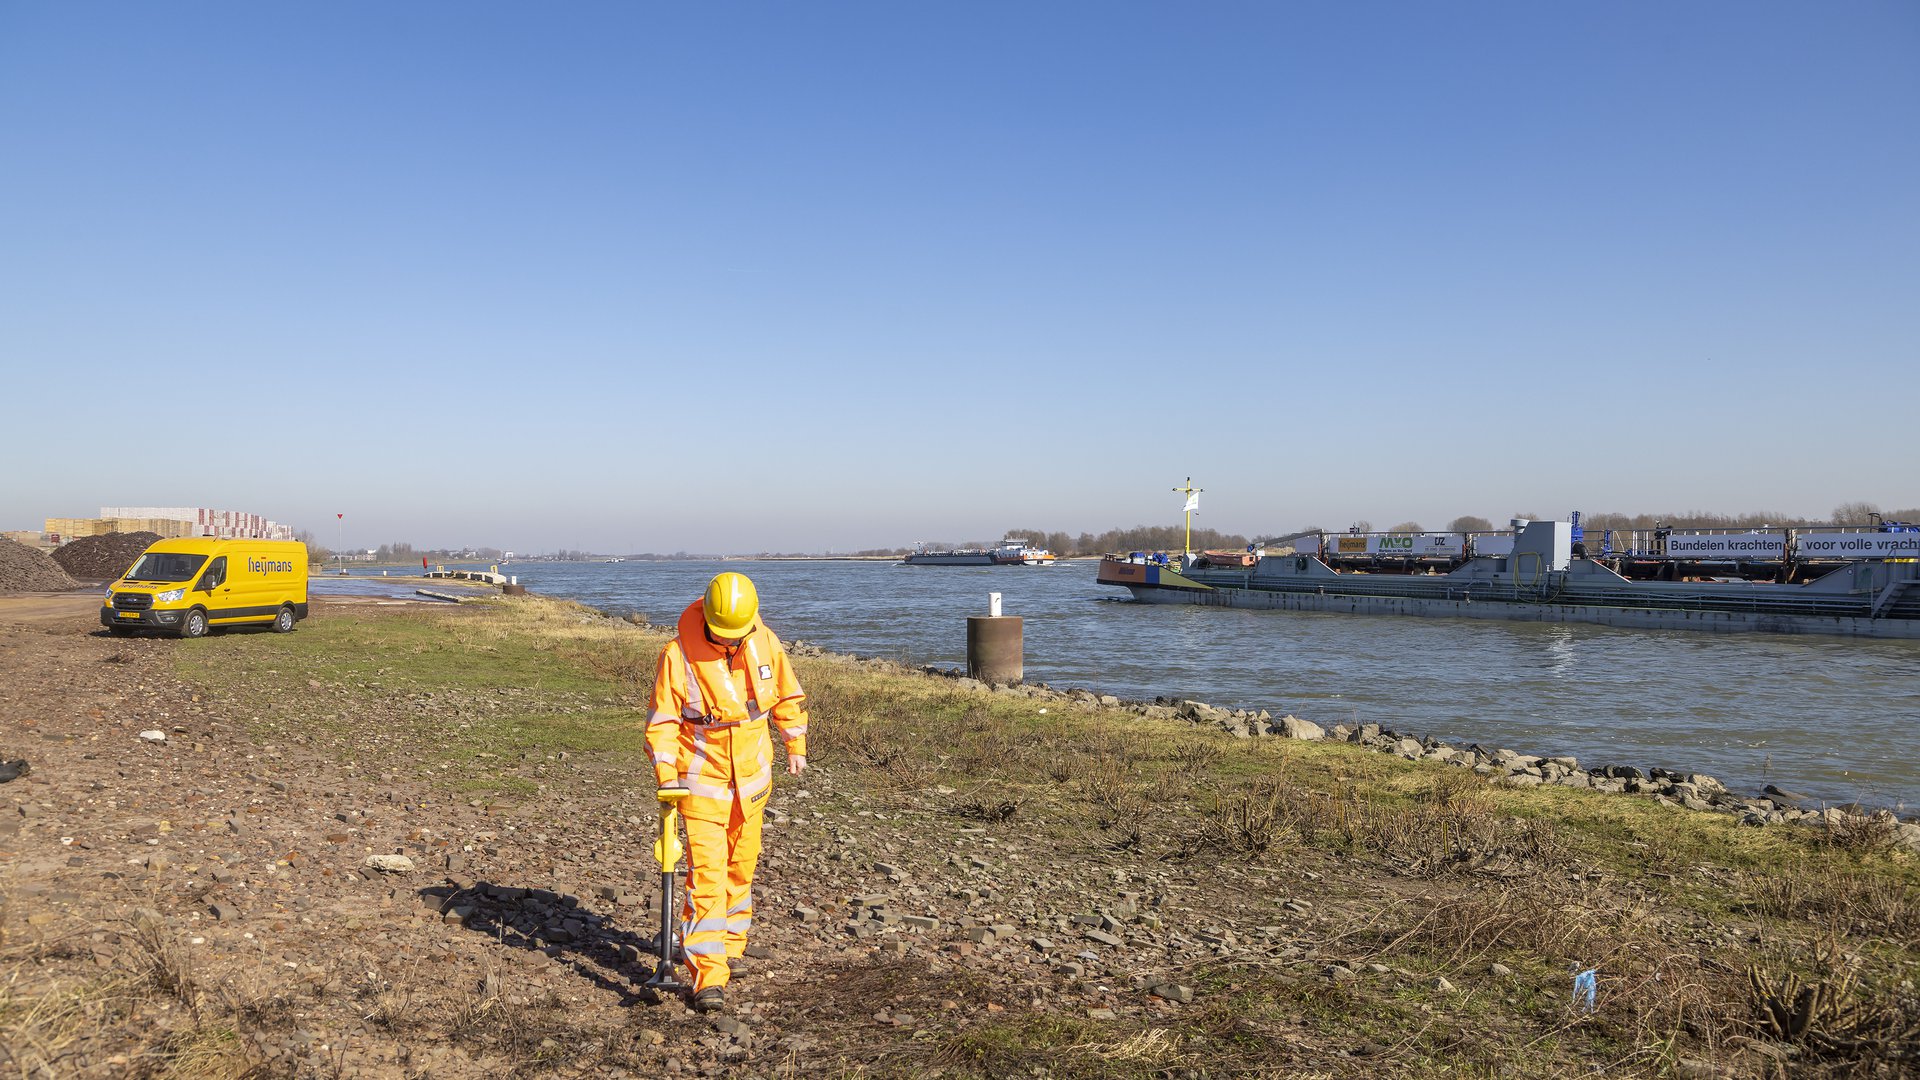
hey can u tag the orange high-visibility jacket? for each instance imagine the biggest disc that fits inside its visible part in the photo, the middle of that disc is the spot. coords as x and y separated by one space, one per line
708 727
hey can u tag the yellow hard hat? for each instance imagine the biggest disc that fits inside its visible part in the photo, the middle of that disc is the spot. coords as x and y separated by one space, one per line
731 604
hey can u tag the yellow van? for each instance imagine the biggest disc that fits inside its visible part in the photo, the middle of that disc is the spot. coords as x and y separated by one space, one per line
190 585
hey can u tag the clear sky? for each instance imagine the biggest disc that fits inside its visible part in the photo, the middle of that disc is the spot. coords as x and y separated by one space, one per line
738 277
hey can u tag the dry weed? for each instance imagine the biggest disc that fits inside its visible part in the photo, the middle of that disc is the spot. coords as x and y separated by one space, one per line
900 755
1244 823
1197 757
1857 835
984 808
1827 1011
1452 826
1462 929
1109 787
159 960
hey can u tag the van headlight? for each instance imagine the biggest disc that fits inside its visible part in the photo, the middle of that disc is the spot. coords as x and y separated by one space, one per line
169 596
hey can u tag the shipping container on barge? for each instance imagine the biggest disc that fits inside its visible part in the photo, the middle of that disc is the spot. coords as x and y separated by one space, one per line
1814 581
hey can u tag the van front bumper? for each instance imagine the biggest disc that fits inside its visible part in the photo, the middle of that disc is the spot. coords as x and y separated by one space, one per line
167 620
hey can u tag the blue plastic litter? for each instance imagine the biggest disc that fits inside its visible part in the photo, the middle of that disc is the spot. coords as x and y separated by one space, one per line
1586 988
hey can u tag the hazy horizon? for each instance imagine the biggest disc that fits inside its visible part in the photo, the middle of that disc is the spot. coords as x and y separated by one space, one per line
630 278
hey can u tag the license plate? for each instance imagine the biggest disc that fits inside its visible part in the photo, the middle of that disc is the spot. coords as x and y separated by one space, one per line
129 614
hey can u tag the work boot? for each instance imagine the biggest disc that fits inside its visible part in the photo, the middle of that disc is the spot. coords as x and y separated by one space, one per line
737 967
712 999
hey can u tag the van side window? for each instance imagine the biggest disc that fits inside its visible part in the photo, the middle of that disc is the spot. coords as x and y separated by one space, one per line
215 575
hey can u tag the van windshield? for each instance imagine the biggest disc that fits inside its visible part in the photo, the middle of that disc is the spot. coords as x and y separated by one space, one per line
166 566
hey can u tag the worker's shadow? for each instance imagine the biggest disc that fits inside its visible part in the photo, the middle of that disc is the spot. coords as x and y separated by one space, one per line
540 920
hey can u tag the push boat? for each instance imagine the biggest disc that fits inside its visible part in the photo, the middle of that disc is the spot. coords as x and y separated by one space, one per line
1815 581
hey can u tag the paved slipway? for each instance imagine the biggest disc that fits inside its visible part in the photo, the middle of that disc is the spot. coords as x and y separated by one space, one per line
515 943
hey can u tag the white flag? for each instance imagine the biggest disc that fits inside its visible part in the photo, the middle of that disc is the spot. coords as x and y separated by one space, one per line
1193 503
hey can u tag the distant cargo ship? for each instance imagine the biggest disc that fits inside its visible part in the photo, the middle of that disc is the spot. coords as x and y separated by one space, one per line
1855 583
1013 551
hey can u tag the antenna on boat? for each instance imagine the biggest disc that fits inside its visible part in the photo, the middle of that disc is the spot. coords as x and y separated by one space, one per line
1193 503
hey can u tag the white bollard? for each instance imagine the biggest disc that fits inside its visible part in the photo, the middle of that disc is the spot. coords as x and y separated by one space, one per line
993 605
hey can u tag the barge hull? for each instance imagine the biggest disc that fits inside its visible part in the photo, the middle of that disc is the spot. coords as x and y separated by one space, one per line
1633 618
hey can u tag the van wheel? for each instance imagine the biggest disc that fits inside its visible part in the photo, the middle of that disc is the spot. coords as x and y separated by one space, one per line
283 622
196 624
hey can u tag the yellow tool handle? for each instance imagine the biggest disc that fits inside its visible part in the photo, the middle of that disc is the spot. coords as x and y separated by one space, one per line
667 849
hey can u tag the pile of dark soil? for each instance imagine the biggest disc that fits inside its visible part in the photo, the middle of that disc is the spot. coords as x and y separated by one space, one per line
105 557
25 569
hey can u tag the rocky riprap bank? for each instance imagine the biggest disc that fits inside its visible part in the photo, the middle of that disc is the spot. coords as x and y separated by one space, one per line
1773 805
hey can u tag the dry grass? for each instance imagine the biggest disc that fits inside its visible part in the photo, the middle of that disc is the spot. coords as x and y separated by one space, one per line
1854 902
51 1019
158 959
203 1052
41 1025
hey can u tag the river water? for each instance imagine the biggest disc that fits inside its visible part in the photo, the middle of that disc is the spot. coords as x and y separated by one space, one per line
1834 718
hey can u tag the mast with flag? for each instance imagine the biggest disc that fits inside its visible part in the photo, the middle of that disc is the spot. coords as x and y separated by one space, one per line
1192 507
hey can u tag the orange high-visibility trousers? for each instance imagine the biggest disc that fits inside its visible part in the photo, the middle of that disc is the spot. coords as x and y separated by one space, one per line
719 907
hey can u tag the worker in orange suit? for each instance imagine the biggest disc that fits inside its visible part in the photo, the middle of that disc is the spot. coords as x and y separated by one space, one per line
721 678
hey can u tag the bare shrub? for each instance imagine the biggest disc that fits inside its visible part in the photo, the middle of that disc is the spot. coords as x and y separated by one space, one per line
1109 786
1246 822
1453 826
977 808
1170 789
1816 1002
1464 927
1197 756
901 755
1859 834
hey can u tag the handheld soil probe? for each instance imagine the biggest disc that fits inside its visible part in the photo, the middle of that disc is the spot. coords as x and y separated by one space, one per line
667 850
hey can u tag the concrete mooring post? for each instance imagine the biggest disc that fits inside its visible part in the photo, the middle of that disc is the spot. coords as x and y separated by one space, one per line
995 645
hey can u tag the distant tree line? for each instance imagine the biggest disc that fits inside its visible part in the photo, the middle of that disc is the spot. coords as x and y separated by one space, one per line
1138 538
1856 514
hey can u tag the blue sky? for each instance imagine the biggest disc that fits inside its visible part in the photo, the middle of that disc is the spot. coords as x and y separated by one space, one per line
743 277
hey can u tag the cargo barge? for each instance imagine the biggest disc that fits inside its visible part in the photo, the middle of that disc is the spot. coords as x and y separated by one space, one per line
1013 551
1851 583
